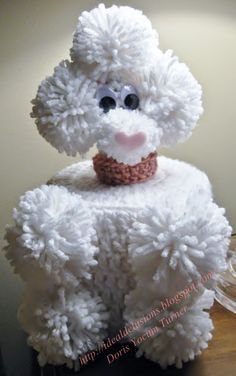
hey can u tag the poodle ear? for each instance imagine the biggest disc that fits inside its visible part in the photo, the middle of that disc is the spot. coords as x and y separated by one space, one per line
66 109
172 97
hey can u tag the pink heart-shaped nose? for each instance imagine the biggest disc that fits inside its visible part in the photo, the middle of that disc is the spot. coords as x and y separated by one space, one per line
131 142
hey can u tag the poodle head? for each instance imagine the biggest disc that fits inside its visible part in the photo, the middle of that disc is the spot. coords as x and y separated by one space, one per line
119 91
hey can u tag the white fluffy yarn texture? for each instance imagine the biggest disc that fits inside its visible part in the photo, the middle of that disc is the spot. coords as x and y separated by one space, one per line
72 241
66 109
171 96
68 116
174 245
69 242
178 341
54 231
129 122
65 326
117 45
114 38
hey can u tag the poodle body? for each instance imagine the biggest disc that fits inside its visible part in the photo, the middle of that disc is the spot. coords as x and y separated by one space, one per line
97 258
110 256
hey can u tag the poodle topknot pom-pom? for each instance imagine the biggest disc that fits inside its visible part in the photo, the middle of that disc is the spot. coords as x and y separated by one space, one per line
115 38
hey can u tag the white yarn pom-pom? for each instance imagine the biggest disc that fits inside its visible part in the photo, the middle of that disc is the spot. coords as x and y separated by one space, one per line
179 334
129 122
171 96
61 328
66 110
114 38
173 245
53 230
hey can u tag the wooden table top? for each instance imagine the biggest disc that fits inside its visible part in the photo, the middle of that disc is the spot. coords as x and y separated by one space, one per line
220 357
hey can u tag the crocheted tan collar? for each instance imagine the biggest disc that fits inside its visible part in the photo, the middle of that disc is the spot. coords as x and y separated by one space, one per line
111 172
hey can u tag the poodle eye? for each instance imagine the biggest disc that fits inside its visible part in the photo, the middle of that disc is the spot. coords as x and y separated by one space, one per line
129 97
106 98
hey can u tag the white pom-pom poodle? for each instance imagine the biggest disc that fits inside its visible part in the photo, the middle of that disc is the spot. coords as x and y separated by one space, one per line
111 241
